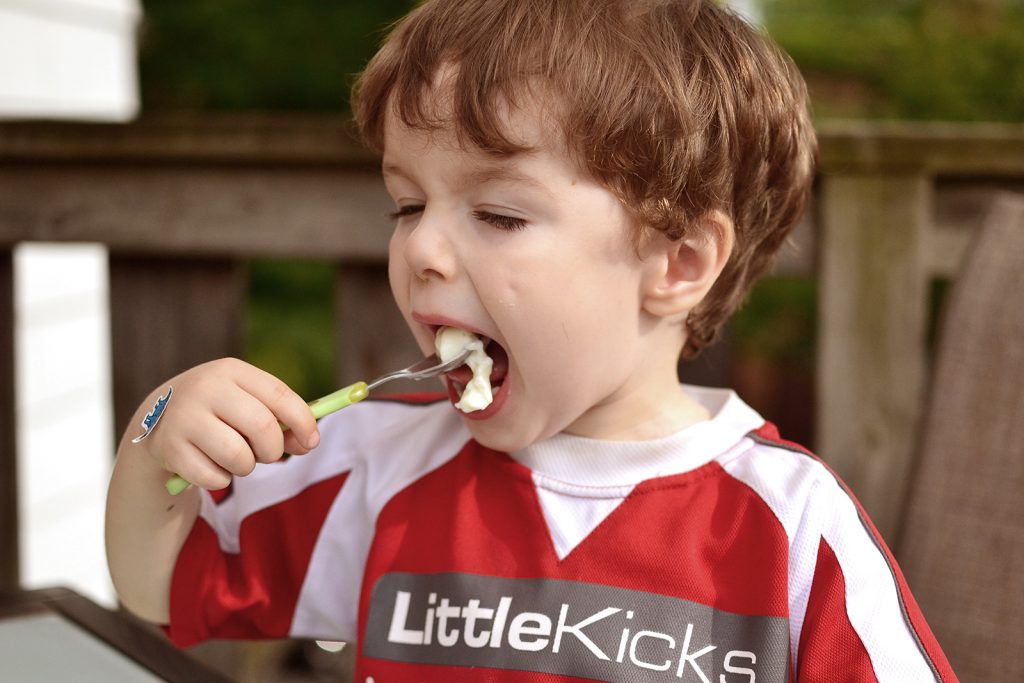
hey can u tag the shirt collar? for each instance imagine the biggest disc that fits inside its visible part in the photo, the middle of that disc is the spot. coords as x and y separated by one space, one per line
594 462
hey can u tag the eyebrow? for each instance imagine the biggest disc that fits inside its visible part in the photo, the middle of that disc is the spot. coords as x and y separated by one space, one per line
482 174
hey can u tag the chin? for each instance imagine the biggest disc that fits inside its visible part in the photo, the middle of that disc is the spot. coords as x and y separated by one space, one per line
504 440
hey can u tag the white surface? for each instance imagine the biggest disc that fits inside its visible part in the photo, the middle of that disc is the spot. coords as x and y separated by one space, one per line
65 59
43 648
65 415
749 9
68 59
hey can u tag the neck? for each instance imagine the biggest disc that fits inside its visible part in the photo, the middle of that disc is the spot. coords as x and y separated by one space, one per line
651 404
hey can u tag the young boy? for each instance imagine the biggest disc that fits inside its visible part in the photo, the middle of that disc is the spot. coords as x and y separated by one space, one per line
590 188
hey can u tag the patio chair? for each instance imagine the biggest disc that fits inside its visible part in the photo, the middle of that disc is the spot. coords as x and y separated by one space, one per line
962 543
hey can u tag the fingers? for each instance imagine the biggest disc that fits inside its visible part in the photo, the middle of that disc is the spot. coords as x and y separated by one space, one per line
222 444
255 424
287 406
195 466
292 445
225 417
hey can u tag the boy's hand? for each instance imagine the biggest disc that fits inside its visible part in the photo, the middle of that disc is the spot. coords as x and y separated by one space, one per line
224 417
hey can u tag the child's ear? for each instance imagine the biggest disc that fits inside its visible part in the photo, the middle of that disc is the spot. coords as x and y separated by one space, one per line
681 272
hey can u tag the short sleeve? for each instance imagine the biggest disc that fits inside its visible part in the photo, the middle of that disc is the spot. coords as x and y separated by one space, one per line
861 621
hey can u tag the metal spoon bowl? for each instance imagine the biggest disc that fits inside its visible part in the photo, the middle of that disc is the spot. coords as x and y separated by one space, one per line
431 366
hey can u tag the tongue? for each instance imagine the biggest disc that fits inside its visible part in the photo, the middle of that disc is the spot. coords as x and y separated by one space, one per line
500 358
463 374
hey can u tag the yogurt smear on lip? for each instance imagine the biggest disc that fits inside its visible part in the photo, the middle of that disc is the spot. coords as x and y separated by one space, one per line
449 342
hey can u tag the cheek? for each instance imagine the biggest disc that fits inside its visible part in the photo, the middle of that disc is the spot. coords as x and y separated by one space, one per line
547 304
583 336
539 327
399 279
398 273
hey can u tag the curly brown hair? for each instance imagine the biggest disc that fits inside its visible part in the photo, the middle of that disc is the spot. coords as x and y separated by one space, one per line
679 107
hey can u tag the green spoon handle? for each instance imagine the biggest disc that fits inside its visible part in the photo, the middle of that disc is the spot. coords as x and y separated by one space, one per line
331 403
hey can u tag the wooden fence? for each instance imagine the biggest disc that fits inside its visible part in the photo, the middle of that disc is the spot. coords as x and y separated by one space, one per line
183 204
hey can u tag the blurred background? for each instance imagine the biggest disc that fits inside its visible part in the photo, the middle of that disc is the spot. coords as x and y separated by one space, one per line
144 139
944 60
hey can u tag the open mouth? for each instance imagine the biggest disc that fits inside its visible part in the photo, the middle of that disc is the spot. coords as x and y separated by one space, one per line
461 376
473 387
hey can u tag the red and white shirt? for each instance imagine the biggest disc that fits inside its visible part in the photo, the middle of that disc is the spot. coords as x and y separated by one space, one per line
719 554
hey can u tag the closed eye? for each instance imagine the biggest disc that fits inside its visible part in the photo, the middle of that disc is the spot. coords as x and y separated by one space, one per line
404 211
500 221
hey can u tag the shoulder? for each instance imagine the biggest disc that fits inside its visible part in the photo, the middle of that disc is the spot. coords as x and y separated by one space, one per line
782 475
391 441
797 485
843 577
412 422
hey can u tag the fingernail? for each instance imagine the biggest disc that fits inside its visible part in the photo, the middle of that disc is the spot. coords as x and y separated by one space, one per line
313 441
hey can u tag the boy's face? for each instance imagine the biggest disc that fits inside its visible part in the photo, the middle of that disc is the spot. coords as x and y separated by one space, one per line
534 255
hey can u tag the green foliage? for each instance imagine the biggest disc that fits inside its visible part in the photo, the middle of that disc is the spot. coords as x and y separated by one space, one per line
299 55
778 321
290 321
917 59
914 59
258 54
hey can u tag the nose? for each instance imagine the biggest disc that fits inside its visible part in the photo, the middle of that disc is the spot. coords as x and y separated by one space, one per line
428 248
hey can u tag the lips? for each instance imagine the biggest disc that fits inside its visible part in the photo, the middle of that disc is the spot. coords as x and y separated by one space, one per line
458 378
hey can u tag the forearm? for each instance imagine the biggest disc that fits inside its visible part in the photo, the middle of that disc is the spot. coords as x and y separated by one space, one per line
145 530
225 417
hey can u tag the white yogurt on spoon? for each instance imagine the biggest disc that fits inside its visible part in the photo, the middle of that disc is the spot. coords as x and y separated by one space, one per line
449 342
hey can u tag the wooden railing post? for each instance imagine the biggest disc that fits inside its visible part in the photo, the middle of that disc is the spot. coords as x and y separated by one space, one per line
228 188
168 314
873 317
8 453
